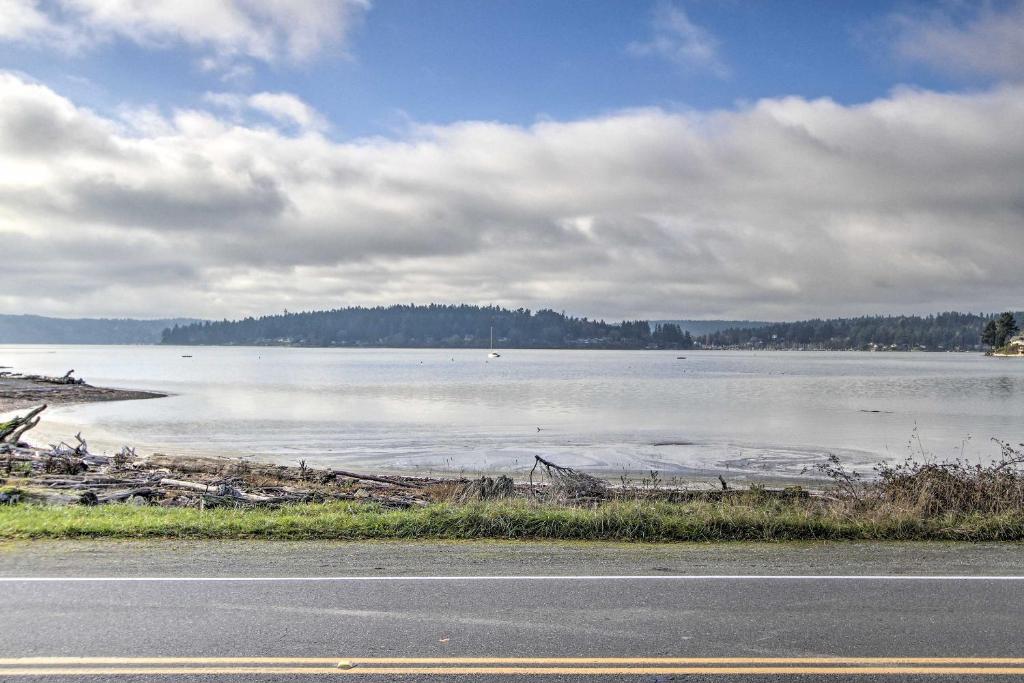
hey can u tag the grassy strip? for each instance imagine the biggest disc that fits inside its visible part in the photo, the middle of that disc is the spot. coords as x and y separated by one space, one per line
625 521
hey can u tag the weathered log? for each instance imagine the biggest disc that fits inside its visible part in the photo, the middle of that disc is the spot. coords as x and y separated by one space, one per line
49 497
125 495
191 485
80 485
220 490
368 477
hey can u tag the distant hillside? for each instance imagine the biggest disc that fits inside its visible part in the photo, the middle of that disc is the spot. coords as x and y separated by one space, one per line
34 329
941 332
699 328
432 326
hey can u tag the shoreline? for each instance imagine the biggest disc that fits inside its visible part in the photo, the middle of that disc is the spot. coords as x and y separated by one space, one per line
18 392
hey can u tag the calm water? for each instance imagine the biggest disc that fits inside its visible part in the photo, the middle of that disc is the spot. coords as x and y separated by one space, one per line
756 414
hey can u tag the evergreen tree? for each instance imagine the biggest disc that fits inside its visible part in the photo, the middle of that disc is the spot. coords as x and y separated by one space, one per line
988 335
1006 327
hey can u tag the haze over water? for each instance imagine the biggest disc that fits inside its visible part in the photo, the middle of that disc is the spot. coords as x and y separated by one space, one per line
757 414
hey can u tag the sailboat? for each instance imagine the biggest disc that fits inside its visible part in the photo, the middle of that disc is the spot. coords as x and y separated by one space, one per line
493 353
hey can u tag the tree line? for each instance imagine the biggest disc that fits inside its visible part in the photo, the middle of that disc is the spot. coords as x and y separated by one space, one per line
434 325
950 331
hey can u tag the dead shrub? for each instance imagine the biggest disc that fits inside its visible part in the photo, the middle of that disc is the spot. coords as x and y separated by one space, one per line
931 489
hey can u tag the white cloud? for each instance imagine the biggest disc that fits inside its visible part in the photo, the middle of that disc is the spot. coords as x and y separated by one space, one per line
283 108
264 30
287 108
677 39
20 18
785 208
976 38
23 21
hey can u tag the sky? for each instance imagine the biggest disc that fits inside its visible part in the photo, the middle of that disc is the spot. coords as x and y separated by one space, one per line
632 158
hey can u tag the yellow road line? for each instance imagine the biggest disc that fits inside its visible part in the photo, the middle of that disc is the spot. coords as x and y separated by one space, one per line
522 671
656 661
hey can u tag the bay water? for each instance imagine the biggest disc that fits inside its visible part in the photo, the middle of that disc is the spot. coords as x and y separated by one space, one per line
749 415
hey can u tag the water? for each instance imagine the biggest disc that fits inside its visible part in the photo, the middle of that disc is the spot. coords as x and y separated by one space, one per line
752 415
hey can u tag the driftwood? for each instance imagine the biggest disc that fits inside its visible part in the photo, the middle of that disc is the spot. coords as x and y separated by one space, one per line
11 431
217 489
567 482
369 477
45 379
68 474
122 496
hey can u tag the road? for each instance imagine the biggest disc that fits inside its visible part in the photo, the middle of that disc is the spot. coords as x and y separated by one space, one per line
510 611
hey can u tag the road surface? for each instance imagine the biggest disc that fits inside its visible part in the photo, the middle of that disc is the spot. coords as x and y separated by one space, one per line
510 611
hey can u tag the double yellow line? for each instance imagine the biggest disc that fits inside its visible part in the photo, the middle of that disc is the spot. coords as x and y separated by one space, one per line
509 666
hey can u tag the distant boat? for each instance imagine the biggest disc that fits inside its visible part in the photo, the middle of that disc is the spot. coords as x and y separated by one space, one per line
184 356
493 353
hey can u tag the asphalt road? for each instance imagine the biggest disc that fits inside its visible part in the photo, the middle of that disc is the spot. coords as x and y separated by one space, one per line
390 611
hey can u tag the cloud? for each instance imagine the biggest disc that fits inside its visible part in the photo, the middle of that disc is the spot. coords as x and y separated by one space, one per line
22 21
784 208
284 108
973 38
287 108
20 18
677 39
264 30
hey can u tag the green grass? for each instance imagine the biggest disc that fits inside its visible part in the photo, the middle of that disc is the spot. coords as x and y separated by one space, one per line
622 521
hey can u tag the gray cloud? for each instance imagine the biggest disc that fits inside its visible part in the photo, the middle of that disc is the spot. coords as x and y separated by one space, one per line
781 209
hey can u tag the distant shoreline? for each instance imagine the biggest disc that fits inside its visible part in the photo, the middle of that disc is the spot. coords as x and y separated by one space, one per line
502 348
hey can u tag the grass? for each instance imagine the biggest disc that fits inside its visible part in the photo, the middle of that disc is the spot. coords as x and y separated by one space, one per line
754 518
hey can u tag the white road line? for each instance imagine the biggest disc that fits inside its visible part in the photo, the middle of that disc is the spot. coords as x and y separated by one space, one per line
654 577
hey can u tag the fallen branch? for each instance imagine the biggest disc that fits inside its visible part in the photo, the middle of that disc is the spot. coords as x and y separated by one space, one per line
11 432
569 483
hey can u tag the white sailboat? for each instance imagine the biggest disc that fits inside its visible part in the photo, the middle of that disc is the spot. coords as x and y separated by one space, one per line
493 353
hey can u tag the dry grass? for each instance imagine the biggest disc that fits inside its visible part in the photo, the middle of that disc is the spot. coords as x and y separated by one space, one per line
921 487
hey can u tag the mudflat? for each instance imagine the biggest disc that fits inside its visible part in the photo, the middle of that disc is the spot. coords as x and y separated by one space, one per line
17 393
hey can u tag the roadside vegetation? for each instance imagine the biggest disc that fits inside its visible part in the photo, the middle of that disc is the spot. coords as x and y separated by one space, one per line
908 501
742 518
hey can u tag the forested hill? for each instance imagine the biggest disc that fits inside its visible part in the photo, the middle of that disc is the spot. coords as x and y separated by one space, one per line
942 332
700 328
35 329
431 326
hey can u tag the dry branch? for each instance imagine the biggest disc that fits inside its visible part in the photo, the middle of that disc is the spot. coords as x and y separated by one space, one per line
567 482
11 431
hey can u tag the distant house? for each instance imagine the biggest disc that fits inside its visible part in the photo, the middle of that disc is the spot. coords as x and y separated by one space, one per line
1017 344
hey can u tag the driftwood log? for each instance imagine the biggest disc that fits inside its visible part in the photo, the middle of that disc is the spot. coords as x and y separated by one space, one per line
369 477
11 431
66 378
